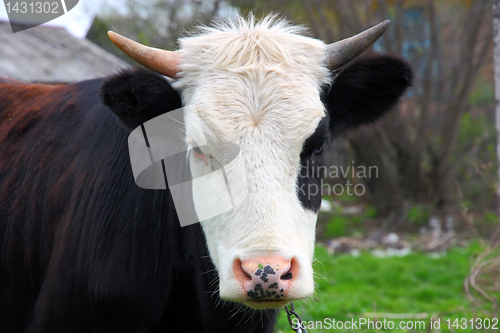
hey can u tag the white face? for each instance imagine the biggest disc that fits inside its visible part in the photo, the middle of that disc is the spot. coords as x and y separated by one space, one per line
266 100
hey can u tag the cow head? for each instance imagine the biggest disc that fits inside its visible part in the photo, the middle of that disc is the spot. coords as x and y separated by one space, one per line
275 94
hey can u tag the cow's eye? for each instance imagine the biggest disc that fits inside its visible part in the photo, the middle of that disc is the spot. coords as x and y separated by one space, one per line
198 153
318 151
197 150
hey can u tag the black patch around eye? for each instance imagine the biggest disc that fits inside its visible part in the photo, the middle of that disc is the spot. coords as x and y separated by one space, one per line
312 168
314 143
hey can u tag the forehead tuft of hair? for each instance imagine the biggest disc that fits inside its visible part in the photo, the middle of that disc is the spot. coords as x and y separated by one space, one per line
247 43
254 74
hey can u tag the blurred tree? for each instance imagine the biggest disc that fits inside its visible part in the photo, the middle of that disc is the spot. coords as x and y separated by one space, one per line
496 41
155 23
98 34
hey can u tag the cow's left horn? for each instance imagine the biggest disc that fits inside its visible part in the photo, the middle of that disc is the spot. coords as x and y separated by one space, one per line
161 61
345 50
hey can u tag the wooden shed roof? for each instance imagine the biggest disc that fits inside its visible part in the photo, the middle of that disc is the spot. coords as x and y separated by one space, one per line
52 54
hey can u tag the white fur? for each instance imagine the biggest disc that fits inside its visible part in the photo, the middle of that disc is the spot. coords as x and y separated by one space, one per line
255 84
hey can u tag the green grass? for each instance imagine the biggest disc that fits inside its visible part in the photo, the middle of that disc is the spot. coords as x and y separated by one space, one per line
417 283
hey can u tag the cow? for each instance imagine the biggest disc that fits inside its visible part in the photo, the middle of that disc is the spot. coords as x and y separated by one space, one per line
84 249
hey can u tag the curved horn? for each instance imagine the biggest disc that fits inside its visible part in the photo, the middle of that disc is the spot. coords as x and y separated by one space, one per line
345 50
160 61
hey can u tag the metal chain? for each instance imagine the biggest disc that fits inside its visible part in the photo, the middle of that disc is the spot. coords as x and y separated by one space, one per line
297 327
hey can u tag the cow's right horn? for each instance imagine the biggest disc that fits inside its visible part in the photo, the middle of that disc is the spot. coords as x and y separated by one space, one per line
345 50
160 61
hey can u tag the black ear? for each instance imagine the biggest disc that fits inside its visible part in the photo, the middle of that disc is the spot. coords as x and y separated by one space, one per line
365 91
136 96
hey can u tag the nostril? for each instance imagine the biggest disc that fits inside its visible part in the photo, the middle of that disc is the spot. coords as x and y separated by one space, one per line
247 276
240 273
291 271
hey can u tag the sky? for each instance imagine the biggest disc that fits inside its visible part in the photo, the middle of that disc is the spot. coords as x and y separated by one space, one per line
78 20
